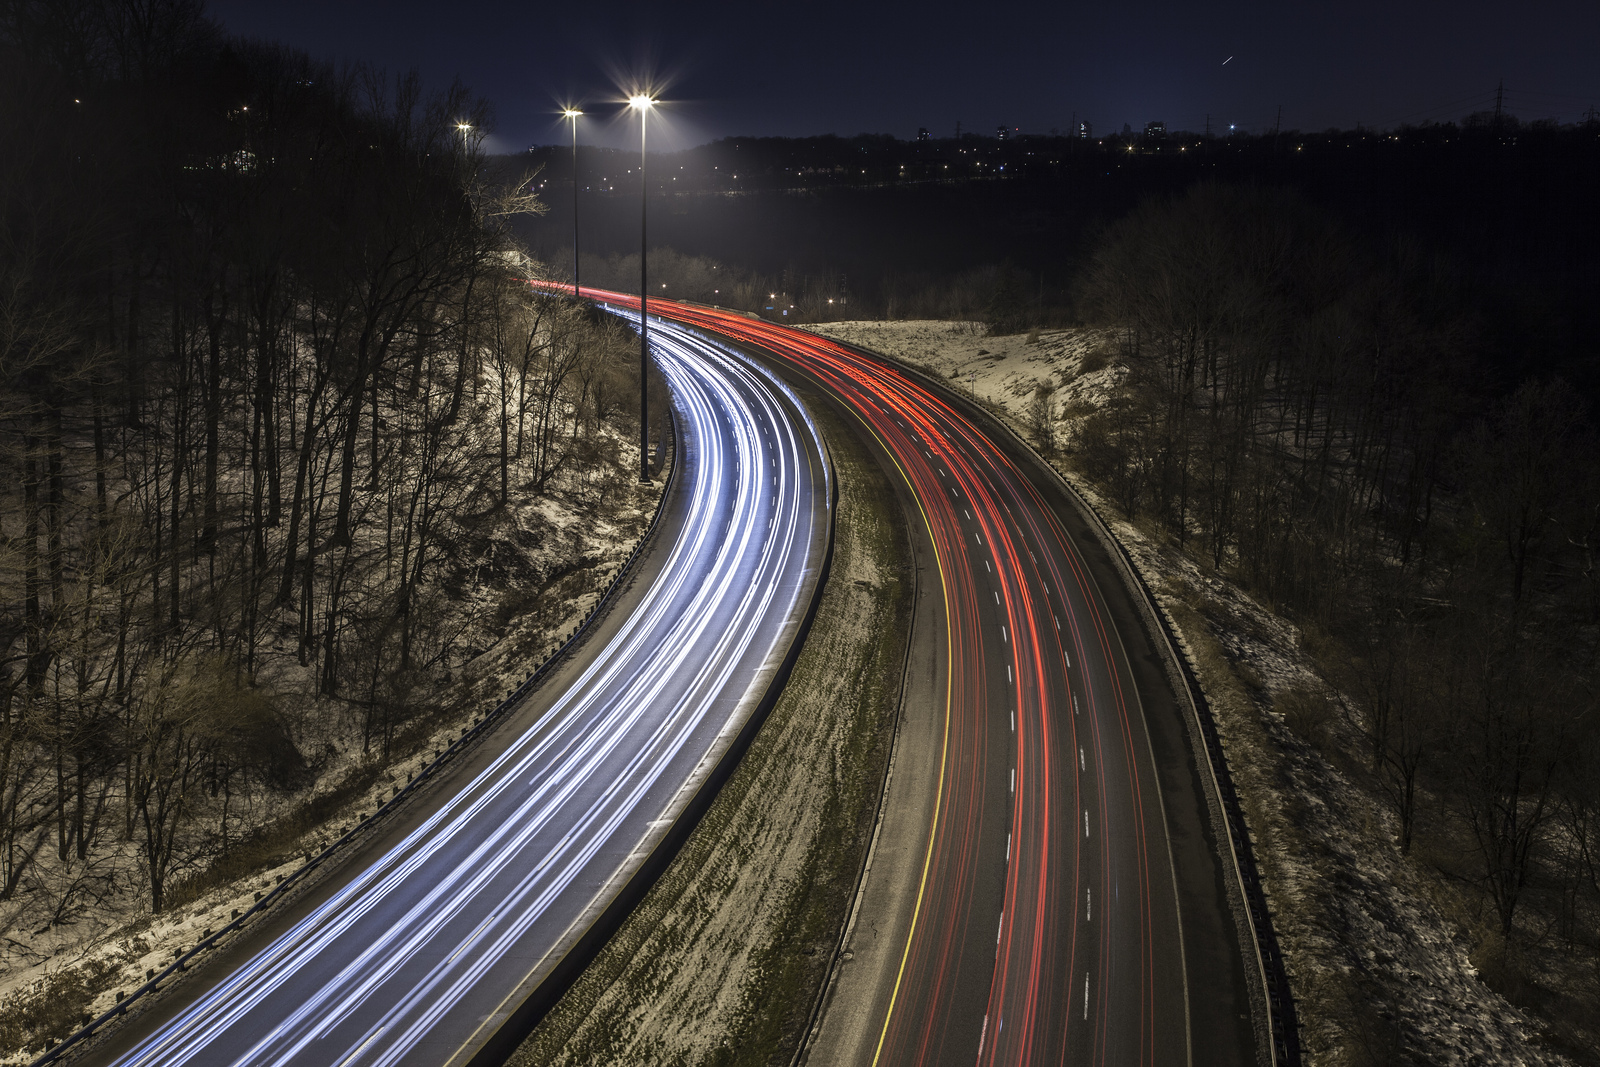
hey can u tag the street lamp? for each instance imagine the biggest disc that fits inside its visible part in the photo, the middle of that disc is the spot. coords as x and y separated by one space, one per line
572 115
642 104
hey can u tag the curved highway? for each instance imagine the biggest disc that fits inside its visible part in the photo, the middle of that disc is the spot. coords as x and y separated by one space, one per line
1056 906
422 955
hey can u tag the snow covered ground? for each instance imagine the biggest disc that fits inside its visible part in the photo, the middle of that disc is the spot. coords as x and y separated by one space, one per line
1380 972
532 572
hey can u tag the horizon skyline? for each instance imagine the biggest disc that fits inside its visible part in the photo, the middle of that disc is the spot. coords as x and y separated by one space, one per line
1097 133
849 69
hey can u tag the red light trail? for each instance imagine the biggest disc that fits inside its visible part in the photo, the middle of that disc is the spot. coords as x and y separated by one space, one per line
1046 784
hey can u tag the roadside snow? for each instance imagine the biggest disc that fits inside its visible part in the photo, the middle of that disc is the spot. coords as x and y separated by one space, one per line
533 572
1380 975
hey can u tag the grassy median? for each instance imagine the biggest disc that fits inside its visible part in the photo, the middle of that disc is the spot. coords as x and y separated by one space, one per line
721 962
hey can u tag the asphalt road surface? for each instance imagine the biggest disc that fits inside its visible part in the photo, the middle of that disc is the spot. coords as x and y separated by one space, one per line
420 955
1057 897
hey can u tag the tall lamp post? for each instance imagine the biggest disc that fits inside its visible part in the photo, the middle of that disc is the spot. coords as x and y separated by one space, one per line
572 116
642 104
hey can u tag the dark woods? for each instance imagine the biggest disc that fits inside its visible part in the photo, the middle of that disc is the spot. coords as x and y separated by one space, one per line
1322 421
266 356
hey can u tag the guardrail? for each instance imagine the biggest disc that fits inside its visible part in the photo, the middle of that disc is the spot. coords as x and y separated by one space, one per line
299 878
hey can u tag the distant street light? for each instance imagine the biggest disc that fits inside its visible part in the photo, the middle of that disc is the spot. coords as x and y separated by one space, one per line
642 104
572 115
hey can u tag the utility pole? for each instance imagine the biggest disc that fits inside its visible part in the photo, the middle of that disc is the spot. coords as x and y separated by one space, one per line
572 116
644 320
642 104
1499 94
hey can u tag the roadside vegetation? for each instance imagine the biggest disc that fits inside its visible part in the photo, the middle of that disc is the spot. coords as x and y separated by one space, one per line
1318 422
295 470
724 958
1375 537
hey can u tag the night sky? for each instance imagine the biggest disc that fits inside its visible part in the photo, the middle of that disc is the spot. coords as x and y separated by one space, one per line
793 69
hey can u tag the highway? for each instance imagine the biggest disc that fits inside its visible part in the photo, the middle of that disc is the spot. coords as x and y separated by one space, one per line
1060 899
420 952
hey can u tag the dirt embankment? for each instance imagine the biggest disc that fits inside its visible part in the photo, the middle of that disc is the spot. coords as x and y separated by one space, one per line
721 962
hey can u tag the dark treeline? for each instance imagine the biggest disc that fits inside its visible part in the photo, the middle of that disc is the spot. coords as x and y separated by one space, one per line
1511 204
1001 296
266 354
1320 418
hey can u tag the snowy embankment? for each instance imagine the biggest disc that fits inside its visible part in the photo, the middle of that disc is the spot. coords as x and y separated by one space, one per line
1380 966
521 577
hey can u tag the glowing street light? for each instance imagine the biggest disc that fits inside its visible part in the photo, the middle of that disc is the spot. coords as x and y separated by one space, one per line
642 104
572 116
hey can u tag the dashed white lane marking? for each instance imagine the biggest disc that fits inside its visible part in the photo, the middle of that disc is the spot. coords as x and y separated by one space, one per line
1003 636
1085 998
1086 824
1088 904
1081 766
1014 786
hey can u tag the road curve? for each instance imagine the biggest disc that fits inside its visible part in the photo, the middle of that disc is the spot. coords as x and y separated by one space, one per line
421 956
1042 921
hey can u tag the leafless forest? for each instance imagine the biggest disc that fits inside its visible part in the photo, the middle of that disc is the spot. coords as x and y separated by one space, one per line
1316 419
273 392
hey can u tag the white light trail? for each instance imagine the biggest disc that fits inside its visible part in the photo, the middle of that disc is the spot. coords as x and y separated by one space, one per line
562 814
